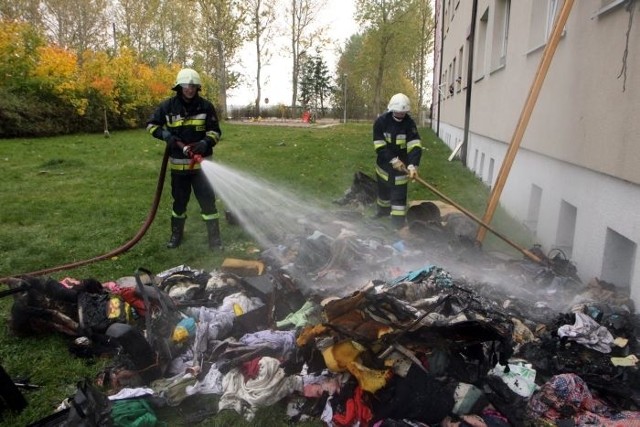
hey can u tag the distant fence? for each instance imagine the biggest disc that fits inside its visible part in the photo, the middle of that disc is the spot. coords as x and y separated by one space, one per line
286 112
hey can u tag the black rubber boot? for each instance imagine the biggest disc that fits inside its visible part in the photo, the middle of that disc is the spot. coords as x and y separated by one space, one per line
177 230
213 232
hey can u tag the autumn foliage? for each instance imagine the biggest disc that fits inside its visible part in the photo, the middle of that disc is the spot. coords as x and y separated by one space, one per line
47 89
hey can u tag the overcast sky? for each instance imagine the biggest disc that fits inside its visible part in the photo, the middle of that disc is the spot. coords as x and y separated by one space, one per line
276 77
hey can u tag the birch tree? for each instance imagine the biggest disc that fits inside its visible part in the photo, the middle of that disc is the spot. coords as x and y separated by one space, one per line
262 16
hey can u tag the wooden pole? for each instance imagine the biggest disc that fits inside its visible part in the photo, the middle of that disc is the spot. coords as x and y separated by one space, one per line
470 214
547 56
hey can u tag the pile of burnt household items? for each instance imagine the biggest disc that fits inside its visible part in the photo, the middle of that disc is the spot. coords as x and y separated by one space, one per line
416 348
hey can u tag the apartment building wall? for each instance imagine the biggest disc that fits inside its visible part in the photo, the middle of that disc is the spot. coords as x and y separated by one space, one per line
575 181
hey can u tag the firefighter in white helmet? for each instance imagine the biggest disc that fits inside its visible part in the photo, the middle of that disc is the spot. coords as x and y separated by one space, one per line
399 149
189 124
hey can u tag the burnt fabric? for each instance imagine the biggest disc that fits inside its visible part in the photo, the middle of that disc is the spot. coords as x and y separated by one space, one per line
567 396
419 396
45 306
363 190
355 412
98 311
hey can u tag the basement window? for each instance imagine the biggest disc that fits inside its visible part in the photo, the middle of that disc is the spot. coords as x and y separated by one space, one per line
490 172
475 161
533 213
618 259
480 171
566 228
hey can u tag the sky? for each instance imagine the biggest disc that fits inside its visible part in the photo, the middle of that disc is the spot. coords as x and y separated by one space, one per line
337 15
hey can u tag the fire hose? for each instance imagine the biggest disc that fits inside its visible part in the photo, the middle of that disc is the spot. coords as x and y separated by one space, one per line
437 192
125 247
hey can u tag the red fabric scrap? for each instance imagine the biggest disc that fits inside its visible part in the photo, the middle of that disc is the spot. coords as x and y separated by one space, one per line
356 410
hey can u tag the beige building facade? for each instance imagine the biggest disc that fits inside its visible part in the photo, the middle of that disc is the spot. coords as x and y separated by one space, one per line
575 180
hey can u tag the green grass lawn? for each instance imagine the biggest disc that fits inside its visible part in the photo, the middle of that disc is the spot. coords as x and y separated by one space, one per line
72 198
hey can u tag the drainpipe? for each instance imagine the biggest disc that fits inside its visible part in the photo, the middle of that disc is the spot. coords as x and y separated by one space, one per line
467 107
440 71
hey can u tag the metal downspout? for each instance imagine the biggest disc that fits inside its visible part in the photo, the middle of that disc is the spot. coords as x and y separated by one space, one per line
467 107
440 71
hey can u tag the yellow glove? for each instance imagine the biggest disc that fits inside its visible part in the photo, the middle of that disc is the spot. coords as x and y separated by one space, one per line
413 171
397 164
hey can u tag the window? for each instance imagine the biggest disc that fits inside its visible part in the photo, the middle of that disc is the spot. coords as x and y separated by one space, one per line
450 81
475 161
480 43
618 260
454 76
460 70
467 45
566 228
500 33
490 173
552 11
535 198
543 15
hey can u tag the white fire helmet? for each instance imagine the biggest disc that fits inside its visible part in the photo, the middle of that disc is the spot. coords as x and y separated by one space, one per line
187 76
399 103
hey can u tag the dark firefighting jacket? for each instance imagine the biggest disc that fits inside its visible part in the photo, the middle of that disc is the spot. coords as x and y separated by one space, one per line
188 122
396 139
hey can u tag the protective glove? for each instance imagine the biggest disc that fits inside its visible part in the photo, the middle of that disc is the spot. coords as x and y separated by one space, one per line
397 164
200 147
413 171
168 137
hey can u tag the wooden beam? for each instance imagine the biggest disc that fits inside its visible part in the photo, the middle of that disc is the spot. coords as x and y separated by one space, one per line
525 115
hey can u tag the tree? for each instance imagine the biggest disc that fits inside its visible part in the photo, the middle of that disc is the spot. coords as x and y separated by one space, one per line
419 69
261 18
134 21
76 25
221 36
19 42
354 76
302 14
21 10
315 83
57 73
391 26
172 33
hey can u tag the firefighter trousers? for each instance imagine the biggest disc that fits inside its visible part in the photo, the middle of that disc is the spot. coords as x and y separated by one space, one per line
181 185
